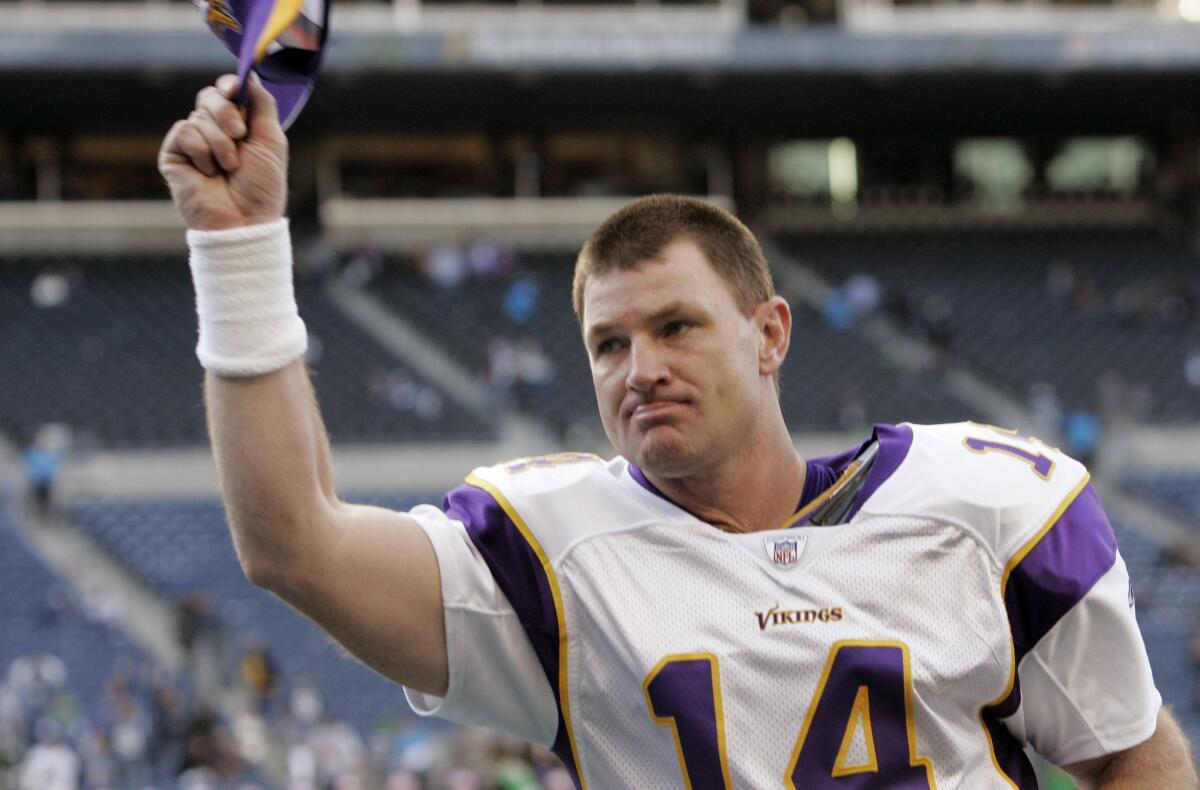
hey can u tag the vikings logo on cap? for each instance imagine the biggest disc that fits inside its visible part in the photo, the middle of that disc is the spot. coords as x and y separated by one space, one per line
282 40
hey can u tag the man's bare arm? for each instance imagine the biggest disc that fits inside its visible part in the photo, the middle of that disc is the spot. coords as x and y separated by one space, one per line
1161 762
367 575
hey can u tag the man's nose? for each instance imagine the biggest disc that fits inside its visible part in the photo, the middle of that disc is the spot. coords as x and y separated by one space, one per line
647 367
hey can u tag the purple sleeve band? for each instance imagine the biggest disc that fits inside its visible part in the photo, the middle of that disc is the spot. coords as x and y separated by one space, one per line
1059 570
1053 576
520 575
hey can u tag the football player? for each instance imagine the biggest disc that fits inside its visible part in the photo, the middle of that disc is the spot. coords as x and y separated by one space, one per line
707 609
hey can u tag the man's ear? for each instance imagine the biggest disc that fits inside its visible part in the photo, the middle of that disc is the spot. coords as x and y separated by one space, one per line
774 321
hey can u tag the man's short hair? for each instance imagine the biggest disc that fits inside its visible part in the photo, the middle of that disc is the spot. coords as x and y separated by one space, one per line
641 230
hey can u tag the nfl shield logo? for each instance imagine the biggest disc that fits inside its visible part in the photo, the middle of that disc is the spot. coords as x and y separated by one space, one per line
784 552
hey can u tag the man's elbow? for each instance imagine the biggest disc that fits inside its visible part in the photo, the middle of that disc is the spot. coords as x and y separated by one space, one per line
276 564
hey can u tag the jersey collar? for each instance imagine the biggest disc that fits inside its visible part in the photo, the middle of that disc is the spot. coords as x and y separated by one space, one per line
856 477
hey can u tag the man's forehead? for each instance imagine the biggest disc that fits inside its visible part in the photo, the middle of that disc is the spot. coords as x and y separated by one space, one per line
651 288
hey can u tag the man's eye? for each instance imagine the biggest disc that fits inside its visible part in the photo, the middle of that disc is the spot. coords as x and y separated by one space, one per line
675 328
607 346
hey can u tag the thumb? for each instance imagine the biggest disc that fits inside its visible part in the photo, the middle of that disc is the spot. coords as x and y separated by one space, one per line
262 111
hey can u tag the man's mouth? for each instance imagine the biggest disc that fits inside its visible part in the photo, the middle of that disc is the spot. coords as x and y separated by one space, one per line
656 409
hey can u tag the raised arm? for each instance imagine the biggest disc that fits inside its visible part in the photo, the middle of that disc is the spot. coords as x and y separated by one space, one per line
367 575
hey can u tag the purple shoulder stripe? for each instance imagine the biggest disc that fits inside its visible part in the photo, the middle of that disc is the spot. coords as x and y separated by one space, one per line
1053 576
521 577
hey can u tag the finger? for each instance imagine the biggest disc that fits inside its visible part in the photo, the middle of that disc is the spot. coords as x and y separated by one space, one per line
223 148
227 84
194 148
223 111
264 113
168 152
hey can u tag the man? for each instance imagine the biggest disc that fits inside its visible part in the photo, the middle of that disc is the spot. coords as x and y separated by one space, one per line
671 617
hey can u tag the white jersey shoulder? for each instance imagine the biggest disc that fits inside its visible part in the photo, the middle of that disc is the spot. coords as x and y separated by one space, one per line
564 498
1002 486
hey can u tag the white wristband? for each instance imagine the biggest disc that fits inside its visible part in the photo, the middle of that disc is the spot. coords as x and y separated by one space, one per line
249 323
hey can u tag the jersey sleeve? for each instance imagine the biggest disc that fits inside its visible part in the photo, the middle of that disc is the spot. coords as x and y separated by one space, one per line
496 679
1083 687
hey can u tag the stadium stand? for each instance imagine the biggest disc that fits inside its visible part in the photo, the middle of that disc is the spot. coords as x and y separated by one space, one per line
41 616
530 304
1178 493
512 327
858 384
1076 311
1168 600
104 345
180 547
70 676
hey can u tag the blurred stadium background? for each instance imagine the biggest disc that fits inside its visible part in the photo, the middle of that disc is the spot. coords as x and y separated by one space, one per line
978 210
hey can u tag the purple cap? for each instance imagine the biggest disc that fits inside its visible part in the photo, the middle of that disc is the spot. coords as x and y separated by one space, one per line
282 40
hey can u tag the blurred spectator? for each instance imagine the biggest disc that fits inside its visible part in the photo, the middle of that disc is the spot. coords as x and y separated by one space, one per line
51 764
338 753
129 732
937 320
837 311
403 393
486 259
445 265
1191 368
260 678
201 638
208 754
863 292
522 300
502 368
168 718
1082 432
364 265
304 703
535 374
43 461
41 470
1045 411
50 289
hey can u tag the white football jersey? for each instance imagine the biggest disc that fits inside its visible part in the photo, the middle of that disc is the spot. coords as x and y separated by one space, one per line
971 601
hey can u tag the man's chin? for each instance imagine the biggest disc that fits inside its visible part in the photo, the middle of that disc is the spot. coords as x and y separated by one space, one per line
664 456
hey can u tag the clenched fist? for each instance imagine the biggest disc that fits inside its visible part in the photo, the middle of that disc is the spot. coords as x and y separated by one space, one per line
223 171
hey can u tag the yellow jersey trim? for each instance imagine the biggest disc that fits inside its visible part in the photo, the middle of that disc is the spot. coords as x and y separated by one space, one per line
910 719
1009 567
552 580
824 496
669 721
859 712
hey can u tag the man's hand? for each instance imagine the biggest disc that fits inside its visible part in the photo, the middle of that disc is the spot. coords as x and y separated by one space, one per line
223 171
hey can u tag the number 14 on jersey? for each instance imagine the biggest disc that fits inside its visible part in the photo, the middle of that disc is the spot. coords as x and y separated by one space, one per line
866 687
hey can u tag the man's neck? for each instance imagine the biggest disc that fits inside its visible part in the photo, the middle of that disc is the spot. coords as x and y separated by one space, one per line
753 491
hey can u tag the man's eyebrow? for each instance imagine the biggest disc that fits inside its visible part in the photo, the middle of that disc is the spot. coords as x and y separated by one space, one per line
667 311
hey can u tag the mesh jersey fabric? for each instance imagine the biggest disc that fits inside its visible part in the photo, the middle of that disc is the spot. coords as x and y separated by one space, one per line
975 593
